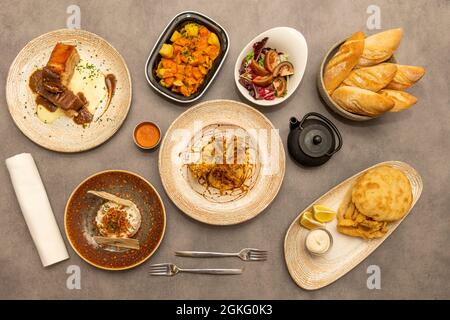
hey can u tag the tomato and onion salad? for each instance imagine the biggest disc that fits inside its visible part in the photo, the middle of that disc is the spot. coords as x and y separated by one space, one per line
264 72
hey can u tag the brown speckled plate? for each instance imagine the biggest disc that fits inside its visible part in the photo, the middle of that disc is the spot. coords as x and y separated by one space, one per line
82 207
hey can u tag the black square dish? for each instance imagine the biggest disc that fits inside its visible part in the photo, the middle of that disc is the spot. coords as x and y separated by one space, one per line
176 24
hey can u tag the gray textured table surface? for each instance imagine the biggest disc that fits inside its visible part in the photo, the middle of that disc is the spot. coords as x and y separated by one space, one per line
414 261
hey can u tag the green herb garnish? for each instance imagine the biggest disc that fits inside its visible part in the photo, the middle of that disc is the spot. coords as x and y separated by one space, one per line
249 56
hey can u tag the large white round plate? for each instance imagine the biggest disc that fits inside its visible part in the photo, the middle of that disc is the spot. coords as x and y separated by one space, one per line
64 135
271 162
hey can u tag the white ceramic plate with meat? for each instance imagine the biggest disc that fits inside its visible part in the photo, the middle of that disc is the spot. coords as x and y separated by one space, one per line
61 133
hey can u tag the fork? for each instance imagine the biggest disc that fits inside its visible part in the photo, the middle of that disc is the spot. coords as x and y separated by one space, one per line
247 254
169 269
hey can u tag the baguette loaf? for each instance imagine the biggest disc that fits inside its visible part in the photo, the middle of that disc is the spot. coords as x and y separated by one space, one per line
362 101
405 77
380 47
342 63
372 78
402 100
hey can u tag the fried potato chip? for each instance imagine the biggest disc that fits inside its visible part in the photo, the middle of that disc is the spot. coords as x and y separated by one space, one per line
361 232
343 211
347 223
350 221
362 226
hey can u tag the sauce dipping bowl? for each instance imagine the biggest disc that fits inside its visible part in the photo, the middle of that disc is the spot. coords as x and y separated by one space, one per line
329 247
138 127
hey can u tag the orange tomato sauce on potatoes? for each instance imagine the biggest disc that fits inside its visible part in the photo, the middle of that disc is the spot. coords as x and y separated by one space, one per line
187 60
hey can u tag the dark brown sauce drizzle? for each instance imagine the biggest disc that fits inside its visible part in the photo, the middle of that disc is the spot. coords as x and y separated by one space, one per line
110 82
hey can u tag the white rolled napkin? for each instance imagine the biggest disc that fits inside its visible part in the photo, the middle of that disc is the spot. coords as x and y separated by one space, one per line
36 209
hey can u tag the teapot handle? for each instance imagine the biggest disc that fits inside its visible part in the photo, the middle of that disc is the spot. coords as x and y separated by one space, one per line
331 124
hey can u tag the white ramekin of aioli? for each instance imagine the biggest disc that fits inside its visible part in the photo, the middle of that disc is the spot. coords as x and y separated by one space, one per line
318 241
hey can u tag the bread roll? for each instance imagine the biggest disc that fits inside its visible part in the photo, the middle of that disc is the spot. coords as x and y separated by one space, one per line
372 78
362 101
342 63
383 193
380 47
405 77
402 100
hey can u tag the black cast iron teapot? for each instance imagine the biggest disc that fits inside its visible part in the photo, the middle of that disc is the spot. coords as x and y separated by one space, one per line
312 141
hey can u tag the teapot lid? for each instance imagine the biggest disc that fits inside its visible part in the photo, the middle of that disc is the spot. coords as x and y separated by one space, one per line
316 138
312 141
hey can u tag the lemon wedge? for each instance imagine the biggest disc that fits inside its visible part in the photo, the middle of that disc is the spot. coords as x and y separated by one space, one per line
307 221
323 214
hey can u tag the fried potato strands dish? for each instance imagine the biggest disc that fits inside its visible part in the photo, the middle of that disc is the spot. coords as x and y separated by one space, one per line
229 173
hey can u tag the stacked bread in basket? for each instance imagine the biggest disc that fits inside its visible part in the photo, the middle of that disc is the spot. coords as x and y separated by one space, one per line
362 79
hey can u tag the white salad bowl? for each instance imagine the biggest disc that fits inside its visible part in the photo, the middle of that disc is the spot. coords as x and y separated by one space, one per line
286 40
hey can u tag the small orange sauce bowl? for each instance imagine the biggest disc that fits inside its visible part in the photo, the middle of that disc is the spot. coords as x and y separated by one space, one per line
147 135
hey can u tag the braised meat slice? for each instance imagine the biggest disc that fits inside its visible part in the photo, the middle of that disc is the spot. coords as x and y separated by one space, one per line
83 116
40 100
65 99
51 80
